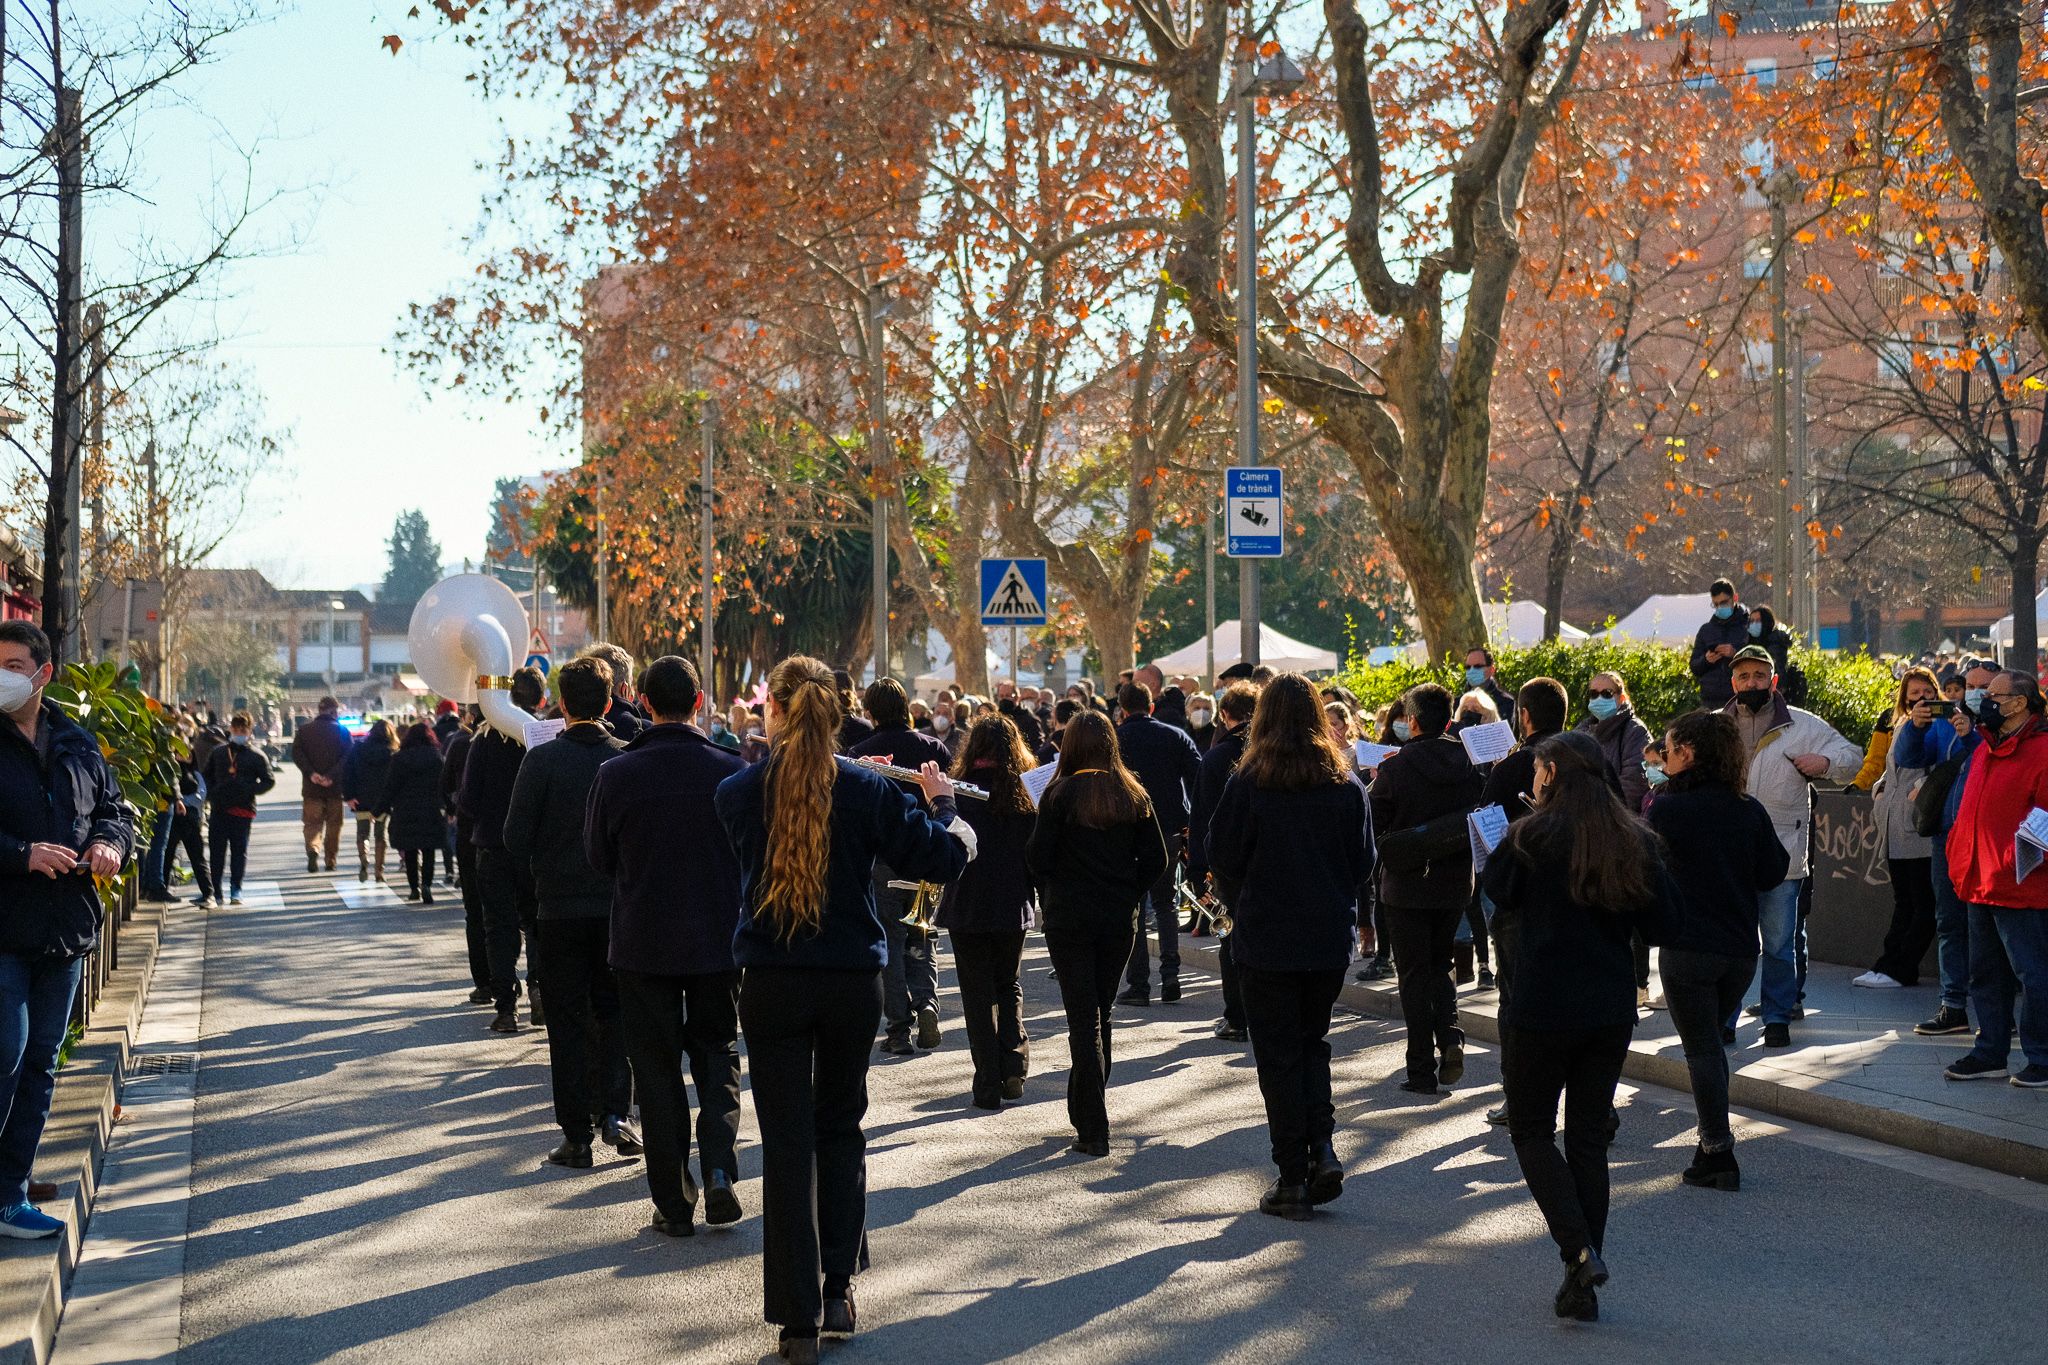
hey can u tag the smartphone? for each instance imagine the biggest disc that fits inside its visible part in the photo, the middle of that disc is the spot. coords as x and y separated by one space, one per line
1942 709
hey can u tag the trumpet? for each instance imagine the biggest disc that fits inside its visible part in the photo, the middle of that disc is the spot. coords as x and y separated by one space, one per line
1205 906
924 904
966 789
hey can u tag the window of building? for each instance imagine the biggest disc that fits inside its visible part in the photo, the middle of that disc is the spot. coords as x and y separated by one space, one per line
1762 70
345 632
312 632
1824 68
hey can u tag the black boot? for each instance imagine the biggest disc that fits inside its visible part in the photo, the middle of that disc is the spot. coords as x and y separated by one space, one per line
575 1155
1713 1170
1325 1176
1451 1045
1286 1201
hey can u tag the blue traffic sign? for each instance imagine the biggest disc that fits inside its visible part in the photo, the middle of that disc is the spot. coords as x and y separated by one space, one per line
1252 523
539 661
1013 592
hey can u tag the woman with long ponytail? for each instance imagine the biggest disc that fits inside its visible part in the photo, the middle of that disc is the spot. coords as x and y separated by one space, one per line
807 827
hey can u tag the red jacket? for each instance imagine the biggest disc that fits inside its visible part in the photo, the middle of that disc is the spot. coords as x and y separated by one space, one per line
2006 780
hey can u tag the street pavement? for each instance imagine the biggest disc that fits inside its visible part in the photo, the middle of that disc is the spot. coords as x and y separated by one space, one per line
368 1185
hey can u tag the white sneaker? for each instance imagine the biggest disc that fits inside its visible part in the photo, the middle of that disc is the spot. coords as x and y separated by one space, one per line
1655 1002
1876 980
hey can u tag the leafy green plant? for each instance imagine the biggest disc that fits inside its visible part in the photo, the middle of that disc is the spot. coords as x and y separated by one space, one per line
134 731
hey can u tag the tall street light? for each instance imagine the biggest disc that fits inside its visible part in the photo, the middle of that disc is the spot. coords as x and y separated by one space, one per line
1276 75
334 604
882 467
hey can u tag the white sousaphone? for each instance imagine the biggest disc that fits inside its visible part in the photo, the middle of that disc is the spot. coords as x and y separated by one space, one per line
465 639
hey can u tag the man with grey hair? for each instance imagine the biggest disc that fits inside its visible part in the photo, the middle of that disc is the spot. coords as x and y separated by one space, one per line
625 717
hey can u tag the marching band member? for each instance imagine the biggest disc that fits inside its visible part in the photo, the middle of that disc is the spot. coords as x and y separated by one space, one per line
988 910
1096 850
1291 832
807 830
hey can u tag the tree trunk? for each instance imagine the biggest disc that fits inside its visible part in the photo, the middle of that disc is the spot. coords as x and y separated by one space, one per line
1113 626
1557 567
2025 564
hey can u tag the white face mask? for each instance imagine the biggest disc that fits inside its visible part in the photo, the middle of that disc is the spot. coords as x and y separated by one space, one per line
16 689
1198 718
940 725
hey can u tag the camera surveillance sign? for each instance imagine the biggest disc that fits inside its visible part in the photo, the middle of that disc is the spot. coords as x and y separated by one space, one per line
1251 511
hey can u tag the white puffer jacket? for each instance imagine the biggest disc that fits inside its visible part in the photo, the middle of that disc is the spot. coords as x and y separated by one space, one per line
1785 791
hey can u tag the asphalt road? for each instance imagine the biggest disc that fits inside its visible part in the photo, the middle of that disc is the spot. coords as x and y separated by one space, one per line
368 1186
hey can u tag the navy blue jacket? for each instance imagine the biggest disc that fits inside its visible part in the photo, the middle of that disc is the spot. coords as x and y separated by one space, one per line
412 798
544 822
1938 743
904 747
1217 766
1297 858
1167 765
1716 688
364 774
651 827
872 818
74 803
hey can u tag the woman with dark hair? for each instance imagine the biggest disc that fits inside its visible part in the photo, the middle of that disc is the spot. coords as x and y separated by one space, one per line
1909 854
1094 853
363 775
411 800
1291 831
1765 630
1722 852
807 828
988 910
1579 874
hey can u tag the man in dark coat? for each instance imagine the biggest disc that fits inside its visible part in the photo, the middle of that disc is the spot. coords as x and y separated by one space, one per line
453 761
650 826
505 882
1233 727
544 828
1481 675
1165 761
320 749
62 824
1713 648
625 718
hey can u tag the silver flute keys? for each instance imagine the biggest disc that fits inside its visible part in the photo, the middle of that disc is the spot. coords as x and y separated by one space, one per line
966 789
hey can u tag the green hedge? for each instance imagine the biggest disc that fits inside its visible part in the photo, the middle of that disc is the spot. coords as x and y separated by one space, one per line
1849 691
136 737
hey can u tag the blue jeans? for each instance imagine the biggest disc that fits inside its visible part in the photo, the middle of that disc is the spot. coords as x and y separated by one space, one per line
153 871
35 1011
2008 957
1951 934
1778 924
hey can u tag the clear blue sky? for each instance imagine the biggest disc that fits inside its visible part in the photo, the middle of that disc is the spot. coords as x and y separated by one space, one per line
389 145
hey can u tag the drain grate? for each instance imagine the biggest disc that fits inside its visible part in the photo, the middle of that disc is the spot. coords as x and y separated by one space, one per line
163 1063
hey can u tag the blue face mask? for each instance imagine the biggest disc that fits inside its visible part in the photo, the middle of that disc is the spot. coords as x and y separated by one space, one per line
1603 707
238 739
1657 777
1474 676
1972 697
1756 630
1723 613
1402 730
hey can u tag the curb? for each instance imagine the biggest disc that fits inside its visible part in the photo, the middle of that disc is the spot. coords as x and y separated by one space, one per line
1879 1123
34 1276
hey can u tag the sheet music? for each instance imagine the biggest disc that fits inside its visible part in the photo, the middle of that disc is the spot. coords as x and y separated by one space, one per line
1487 826
1371 755
1489 743
1036 780
2030 845
539 732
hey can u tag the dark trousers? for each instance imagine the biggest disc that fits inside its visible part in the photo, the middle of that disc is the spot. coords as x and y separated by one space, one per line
586 1052
508 920
1582 1064
1475 922
1701 990
668 1019
451 860
230 850
35 1013
185 834
991 1005
808 1042
473 914
419 872
1639 950
910 981
1912 928
1233 983
154 876
1289 1016
1160 908
1422 967
1089 958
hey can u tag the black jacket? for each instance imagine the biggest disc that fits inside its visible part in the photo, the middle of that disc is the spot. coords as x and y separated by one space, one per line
1166 763
544 822
1716 691
453 760
1427 779
447 726
650 826
993 896
1722 851
1297 857
1573 965
364 775
487 777
626 720
236 774
1514 777
852 731
1217 766
873 819
1025 719
1088 876
412 798
1503 700
74 802
903 746
1778 641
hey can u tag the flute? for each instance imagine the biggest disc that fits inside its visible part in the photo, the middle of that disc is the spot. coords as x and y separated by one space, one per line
966 789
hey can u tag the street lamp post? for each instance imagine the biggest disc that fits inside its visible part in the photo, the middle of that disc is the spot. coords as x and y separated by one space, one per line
334 604
1274 76
882 468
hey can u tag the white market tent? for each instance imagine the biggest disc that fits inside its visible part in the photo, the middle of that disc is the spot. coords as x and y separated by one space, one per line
1520 623
1663 619
2001 632
1276 651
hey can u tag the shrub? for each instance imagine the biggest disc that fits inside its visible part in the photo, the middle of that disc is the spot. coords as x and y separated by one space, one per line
134 732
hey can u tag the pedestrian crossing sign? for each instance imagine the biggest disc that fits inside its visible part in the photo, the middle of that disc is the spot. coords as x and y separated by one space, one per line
1013 592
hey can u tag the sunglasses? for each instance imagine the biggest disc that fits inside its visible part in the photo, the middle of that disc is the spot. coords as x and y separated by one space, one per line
1602 692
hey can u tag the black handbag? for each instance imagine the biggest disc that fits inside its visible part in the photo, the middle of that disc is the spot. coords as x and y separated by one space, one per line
1932 798
1415 848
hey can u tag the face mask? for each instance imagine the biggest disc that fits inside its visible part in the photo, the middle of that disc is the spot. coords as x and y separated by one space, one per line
1603 707
238 739
1402 730
717 727
1474 676
1723 613
15 690
1656 777
1973 697
1989 712
1753 698
1198 718
940 725
1471 718
1756 630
